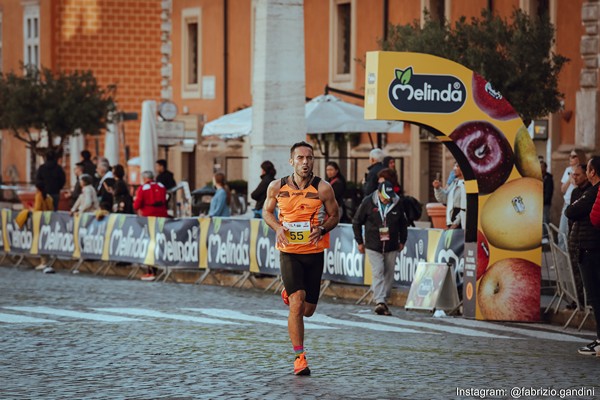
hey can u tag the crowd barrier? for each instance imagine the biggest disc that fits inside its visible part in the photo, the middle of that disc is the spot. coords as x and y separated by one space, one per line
246 245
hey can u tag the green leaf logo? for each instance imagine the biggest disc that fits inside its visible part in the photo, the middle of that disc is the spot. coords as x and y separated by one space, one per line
216 225
84 219
47 217
265 228
399 73
161 224
405 76
121 221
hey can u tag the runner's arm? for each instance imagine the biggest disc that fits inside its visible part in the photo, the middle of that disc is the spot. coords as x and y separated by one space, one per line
269 209
327 196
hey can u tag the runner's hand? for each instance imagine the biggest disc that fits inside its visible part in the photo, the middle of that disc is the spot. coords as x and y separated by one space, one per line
281 237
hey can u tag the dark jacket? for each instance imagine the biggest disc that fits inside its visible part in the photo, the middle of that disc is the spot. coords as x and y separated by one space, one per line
122 200
260 193
583 235
167 179
52 176
338 184
371 179
369 216
548 189
576 195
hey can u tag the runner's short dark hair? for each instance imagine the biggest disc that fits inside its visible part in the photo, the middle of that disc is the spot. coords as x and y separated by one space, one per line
300 144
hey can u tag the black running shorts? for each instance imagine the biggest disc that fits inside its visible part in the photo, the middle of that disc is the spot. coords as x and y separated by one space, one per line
302 272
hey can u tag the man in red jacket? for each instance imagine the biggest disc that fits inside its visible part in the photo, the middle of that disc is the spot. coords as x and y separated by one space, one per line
150 201
151 197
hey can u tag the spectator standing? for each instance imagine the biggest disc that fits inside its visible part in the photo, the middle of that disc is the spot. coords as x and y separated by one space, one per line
150 201
88 165
455 198
581 182
259 194
548 185
385 233
376 160
219 204
87 200
43 202
338 184
104 172
52 176
122 200
74 195
576 157
585 240
151 197
163 175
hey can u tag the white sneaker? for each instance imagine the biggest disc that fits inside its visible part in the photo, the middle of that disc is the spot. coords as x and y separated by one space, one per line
48 270
41 267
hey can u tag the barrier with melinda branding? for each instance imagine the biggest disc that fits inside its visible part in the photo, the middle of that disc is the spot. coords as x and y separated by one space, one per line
502 173
217 243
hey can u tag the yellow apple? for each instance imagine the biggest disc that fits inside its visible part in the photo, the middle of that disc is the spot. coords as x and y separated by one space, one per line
526 158
512 216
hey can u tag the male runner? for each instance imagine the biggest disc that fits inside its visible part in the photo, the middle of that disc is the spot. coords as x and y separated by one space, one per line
307 212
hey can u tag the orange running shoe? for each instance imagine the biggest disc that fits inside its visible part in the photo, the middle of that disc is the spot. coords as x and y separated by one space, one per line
285 298
301 365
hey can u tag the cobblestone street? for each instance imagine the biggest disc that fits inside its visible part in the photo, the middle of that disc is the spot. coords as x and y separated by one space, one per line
77 336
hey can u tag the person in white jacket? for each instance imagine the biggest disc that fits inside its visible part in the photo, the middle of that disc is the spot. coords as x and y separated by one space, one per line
455 198
87 200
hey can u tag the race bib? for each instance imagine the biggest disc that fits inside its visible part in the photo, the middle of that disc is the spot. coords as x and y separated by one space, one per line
297 232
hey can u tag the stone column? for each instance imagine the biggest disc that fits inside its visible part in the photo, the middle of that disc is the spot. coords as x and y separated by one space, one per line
166 70
278 87
586 123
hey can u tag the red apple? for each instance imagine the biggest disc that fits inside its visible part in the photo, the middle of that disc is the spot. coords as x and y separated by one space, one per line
510 291
488 152
483 254
490 101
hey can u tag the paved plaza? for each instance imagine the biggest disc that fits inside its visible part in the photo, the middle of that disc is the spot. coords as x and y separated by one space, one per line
66 336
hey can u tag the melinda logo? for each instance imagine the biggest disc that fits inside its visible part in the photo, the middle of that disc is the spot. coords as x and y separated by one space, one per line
442 94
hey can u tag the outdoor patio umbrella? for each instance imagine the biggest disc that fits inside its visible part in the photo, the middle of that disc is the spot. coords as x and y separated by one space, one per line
148 137
76 146
324 114
111 143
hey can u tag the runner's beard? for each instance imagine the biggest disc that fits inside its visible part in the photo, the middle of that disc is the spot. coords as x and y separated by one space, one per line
303 173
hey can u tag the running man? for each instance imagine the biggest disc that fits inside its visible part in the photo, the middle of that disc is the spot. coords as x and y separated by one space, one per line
307 212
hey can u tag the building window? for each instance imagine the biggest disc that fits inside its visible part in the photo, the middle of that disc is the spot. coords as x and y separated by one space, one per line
342 42
31 35
436 10
191 52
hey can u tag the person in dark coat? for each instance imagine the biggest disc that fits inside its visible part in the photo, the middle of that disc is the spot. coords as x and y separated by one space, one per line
584 239
163 175
338 184
122 199
370 182
52 176
385 233
88 165
259 194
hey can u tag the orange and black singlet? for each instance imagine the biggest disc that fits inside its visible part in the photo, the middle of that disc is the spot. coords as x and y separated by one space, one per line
299 211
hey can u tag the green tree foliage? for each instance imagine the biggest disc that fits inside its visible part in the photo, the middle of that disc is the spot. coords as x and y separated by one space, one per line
61 104
516 57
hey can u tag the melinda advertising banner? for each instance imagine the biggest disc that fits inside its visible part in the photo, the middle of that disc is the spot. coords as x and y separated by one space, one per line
17 240
228 244
343 262
56 233
415 250
128 238
264 258
175 242
91 237
502 174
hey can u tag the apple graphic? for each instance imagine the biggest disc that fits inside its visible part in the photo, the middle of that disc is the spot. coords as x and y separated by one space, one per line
510 291
526 158
488 152
490 101
483 254
511 218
